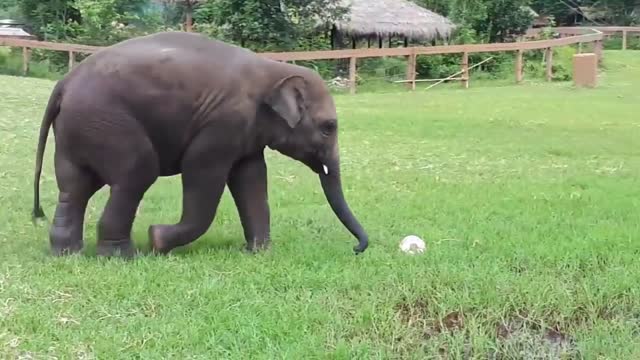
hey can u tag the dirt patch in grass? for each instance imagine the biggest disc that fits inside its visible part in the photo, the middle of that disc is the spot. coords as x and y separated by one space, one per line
525 336
416 314
518 335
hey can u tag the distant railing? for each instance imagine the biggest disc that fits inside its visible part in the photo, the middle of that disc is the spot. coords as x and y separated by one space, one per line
568 36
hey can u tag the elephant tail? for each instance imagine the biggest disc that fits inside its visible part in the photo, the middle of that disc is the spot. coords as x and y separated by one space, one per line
50 113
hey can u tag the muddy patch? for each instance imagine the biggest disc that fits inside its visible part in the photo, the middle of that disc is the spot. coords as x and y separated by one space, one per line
525 337
517 335
416 315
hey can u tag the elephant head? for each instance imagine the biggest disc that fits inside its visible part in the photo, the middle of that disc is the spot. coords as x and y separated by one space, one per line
304 127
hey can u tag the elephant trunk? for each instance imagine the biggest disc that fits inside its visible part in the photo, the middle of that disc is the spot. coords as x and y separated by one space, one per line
332 187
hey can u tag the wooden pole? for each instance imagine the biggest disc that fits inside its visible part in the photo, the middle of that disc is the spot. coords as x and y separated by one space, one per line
352 75
597 49
411 71
624 39
549 61
519 66
429 80
465 70
72 60
25 60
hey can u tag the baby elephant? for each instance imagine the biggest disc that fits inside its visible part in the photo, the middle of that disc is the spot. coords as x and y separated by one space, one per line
180 103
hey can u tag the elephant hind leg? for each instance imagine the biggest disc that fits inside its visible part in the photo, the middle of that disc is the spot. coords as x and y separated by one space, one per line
76 186
129 185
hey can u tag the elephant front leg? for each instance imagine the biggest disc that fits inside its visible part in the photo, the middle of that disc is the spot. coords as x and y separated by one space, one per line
203 181
201 195
248 185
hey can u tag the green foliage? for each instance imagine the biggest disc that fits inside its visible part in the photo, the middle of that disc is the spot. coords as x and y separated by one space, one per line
563 63
498 20
615 42
437 66
10 9
105 22
91 22
11 64
611 12
268 25
52 20
491 20
442 7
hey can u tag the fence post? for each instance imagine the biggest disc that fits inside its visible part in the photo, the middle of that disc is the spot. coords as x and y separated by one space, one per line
465 70
624 39
72 60
411 70
597 49
352 75
25 60
549 61
519 66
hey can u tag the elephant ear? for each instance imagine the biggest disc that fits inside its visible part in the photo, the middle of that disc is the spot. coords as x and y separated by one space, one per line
287 98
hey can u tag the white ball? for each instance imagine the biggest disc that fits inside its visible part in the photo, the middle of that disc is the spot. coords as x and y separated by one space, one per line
412 245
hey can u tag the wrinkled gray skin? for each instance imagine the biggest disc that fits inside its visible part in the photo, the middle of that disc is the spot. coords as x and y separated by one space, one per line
180 103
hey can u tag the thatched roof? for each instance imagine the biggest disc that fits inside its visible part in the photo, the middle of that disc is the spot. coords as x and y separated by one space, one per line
401 18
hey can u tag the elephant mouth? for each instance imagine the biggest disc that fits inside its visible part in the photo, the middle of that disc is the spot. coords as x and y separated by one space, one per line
316 165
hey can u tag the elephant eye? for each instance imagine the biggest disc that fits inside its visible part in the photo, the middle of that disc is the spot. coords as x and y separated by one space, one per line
328 127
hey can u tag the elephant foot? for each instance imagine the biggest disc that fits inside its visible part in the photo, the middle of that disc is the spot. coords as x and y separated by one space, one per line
255 246
64 250
61 244
158 239
122 248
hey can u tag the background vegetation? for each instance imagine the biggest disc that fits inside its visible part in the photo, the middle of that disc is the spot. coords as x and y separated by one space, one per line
286 25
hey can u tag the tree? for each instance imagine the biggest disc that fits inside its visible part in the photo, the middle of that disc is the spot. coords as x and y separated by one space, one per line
616 12
269 24
492 20
441 7
9 9
50 20
188 7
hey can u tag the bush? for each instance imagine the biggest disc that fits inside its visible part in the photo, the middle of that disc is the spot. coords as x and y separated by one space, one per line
563 63
615 42
11 64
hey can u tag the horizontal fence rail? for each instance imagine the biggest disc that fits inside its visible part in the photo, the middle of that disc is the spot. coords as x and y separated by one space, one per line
568 36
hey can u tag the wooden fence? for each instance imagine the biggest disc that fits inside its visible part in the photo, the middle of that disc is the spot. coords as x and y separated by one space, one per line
568 36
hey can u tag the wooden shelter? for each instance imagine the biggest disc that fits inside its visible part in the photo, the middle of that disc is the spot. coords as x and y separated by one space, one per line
379 19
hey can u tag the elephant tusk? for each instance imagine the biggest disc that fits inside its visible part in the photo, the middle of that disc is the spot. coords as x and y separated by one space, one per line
326 169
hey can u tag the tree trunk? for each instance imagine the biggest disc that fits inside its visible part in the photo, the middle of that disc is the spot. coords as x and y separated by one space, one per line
188 7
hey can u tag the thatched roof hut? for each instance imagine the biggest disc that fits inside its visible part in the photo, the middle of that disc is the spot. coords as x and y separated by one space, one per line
379 19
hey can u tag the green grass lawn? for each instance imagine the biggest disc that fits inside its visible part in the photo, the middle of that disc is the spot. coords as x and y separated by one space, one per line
528 198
